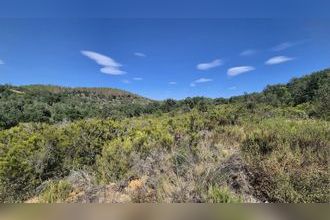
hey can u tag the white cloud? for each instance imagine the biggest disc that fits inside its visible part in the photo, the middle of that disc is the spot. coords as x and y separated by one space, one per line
100 59
200 80
172 83
137 78
1 62
278 60
248 52
283 46
210 65
110 66
126 81
232 88
286 45
203 80
112 70
139 54
234 71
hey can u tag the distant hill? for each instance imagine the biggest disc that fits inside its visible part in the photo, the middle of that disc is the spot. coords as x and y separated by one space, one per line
46 103
52 104
309 88
310 92
96 92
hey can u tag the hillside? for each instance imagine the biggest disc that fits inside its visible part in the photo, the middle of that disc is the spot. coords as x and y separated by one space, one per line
114 146
51 104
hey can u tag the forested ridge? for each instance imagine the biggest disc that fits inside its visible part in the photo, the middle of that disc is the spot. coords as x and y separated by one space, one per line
51 104
62 144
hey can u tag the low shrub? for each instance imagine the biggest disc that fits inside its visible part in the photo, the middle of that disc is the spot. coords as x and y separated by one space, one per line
218 194
289 160
56 192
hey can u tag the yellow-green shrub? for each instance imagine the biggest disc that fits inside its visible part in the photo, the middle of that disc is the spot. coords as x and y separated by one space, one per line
290 160
56 192
218 194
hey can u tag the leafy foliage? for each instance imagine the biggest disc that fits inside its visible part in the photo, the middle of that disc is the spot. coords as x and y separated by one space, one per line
52 104
275 144
56 192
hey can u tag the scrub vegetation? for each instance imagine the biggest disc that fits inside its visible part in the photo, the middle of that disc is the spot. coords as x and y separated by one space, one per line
105 145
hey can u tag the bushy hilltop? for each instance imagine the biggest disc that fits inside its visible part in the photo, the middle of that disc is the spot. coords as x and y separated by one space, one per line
52 104
271 146
310 92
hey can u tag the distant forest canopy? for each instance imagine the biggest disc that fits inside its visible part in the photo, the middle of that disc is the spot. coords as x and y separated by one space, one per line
52 104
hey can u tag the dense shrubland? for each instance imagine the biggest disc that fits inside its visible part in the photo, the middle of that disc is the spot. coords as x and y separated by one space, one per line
272 146
51 104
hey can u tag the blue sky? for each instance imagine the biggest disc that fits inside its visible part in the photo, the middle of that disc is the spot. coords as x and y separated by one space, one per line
166 8
162 58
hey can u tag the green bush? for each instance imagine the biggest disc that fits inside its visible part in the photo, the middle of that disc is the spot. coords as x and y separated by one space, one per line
221 195
41 152
56 192
290 160
115 160
18 176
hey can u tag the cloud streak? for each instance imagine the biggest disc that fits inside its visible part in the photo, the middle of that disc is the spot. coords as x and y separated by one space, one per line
234 71
287 45
210 65
200 80
248 52
2 62
126 81
137 78
138 54
172 83
283 46
278 60
109 65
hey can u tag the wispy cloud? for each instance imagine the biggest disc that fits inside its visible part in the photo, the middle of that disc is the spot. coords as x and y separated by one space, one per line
172 83
288 44
138 54
234 71
110 66
278 60
126 81
283 46
112 71
232 88
137 78
203 80
200 80
210 65
2 62
248 52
